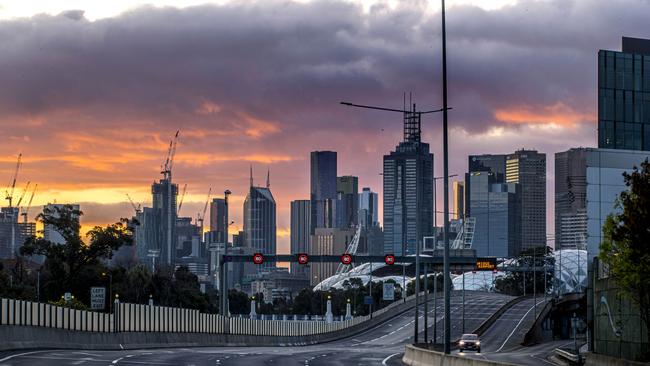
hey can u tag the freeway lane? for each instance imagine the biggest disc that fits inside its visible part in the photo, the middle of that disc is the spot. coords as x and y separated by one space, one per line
372 347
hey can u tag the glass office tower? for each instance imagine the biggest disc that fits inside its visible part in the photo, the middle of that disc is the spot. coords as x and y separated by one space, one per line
624 96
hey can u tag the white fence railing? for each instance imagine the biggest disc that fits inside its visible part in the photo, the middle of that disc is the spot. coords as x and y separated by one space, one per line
147 318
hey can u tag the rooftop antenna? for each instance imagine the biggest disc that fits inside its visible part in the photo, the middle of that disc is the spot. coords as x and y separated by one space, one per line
268 178
251 175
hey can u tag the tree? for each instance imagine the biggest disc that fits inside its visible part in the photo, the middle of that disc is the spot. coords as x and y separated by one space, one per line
626 243
74 265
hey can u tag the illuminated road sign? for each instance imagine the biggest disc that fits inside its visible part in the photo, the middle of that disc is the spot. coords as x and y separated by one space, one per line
389 259
303 258
258 258
486 264
346 259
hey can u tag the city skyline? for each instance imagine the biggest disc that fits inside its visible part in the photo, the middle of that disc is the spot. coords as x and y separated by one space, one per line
103 145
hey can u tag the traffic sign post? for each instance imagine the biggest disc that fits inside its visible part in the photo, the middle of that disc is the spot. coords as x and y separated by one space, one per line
346 259
389 291
97 298
389 259
303 258
258 258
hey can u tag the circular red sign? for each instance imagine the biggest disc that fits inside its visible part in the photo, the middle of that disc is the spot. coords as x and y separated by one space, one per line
346 259
258 258
389 259
303 258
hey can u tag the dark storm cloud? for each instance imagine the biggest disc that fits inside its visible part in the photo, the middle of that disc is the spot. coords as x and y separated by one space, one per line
285 61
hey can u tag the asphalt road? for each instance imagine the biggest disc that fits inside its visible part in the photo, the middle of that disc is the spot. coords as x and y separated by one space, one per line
382 345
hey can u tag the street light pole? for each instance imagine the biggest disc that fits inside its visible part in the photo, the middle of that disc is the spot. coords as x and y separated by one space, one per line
445 149
224 276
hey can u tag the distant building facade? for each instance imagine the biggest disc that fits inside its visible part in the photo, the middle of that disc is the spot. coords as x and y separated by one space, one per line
327 241
300 233
368 208
347 190
458 189
323 194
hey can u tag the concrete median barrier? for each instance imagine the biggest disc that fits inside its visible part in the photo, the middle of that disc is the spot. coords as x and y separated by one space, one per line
414 356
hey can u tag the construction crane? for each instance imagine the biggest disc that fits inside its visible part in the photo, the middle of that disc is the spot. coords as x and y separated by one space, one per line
29 204
22 195
136 208
201 217
180 202
166 170
9 193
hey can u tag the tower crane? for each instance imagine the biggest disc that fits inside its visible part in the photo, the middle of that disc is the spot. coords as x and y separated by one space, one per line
201 217
180 202
166 170
22 195
9 193
136 208
29 204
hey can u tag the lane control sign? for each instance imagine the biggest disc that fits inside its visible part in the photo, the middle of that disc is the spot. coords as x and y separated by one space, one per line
258 258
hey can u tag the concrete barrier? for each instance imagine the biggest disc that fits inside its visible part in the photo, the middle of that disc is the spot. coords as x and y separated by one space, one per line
16 337
414 356
594 359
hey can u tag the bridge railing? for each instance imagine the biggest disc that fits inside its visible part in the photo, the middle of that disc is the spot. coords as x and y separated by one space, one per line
148 318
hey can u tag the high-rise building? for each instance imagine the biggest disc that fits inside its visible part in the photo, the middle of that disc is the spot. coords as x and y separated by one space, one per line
494 207
10 234
588 182
624 96
218 219
408 191
458 189
528 169
495 163
260 220
368 212
300 232
164 195
238 239
347 189
571 199
323 189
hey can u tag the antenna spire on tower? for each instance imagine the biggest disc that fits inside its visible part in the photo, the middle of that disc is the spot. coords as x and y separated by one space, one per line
251 175
268 178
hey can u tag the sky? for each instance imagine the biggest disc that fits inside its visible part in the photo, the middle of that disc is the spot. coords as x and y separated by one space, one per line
92 92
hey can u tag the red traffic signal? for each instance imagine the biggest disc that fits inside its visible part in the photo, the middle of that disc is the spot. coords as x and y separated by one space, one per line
303 258
346 259
258 258
389 259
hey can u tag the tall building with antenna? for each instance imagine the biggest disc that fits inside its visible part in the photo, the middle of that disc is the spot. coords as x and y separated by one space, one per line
260 219
408 190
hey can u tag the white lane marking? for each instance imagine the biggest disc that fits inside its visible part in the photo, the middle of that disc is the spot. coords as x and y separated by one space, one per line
117 360
518 324
384 362
20 354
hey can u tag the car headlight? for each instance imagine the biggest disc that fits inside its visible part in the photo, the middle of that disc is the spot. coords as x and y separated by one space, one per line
478 343
461 343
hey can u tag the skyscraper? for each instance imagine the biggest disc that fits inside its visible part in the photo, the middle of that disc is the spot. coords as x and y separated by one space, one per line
408 191
323 189
260 220
528 169
458 189
624 96
494 207
164 195
368 213
218 219
571 198
347 190
300 232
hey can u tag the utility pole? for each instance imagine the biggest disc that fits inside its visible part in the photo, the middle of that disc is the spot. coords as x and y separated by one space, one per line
445 149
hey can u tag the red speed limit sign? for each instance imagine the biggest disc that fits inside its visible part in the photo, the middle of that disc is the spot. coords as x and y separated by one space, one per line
389 259
303 258
346 259
258 258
